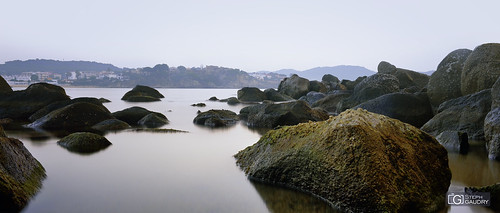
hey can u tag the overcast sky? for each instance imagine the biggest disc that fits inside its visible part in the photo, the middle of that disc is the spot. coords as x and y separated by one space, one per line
251 35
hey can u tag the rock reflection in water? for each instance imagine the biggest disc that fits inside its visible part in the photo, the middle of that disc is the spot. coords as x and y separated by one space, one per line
280 199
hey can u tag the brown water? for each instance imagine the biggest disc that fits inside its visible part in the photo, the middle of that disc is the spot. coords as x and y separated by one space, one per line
182 172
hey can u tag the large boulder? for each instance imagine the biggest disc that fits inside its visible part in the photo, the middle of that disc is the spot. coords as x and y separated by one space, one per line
273 95
134 114
60 104
495 94
370 88
409 108
385 67
251 94
294 86
350 85
330 102
464 114
358 161
142 93
481 69
317 86
409 79
273 115
312 97
74 117
4 86
84 142
444 83
492 133
21 174
20 105
216 118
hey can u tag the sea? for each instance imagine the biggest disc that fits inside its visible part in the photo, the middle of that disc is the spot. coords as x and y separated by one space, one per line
192 171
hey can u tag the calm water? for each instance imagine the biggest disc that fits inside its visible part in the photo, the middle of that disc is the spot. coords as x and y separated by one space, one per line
182 172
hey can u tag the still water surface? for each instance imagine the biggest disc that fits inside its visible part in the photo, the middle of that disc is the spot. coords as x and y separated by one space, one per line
182 172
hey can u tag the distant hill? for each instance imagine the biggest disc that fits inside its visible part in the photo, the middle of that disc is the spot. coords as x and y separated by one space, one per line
341 72
54 66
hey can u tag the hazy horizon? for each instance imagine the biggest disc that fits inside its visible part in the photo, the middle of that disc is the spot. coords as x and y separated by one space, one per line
251 35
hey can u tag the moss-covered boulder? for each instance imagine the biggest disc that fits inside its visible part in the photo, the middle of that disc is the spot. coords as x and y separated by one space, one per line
153 120
359 161
134 114
216 118
481 69
74 117
251 94
445 83
282 114
111 125
142 93
414 109
20 105
60 104
294 86
84 142
494 191
21 174
465 114
4 86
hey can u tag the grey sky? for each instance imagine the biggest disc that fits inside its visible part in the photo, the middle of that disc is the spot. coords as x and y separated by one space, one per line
250 35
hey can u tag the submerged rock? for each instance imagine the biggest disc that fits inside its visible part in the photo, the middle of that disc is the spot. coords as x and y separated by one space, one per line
74 117
153 120
132 115
251 94
84 142
142 93
199 105
22 104
464 114
60 104
358 161
494 191
111 125
481 69
273 115
21 174
216 118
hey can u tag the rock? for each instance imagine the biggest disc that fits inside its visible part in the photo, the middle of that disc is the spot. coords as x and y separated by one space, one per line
251 94
4 86
199 105
409 108
481 69
317 86
111 124
216 118
294 86
494 191
408 78
358 161
142 94
444 83
21 174
492 133
385 67
330 102
330 78
74 117
213 98
350 85
60 104
104 100
282 114
454 141
495 94
464 114
153 120
132 115
273 95
20 105
232 101
84 142
370 88
312 97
